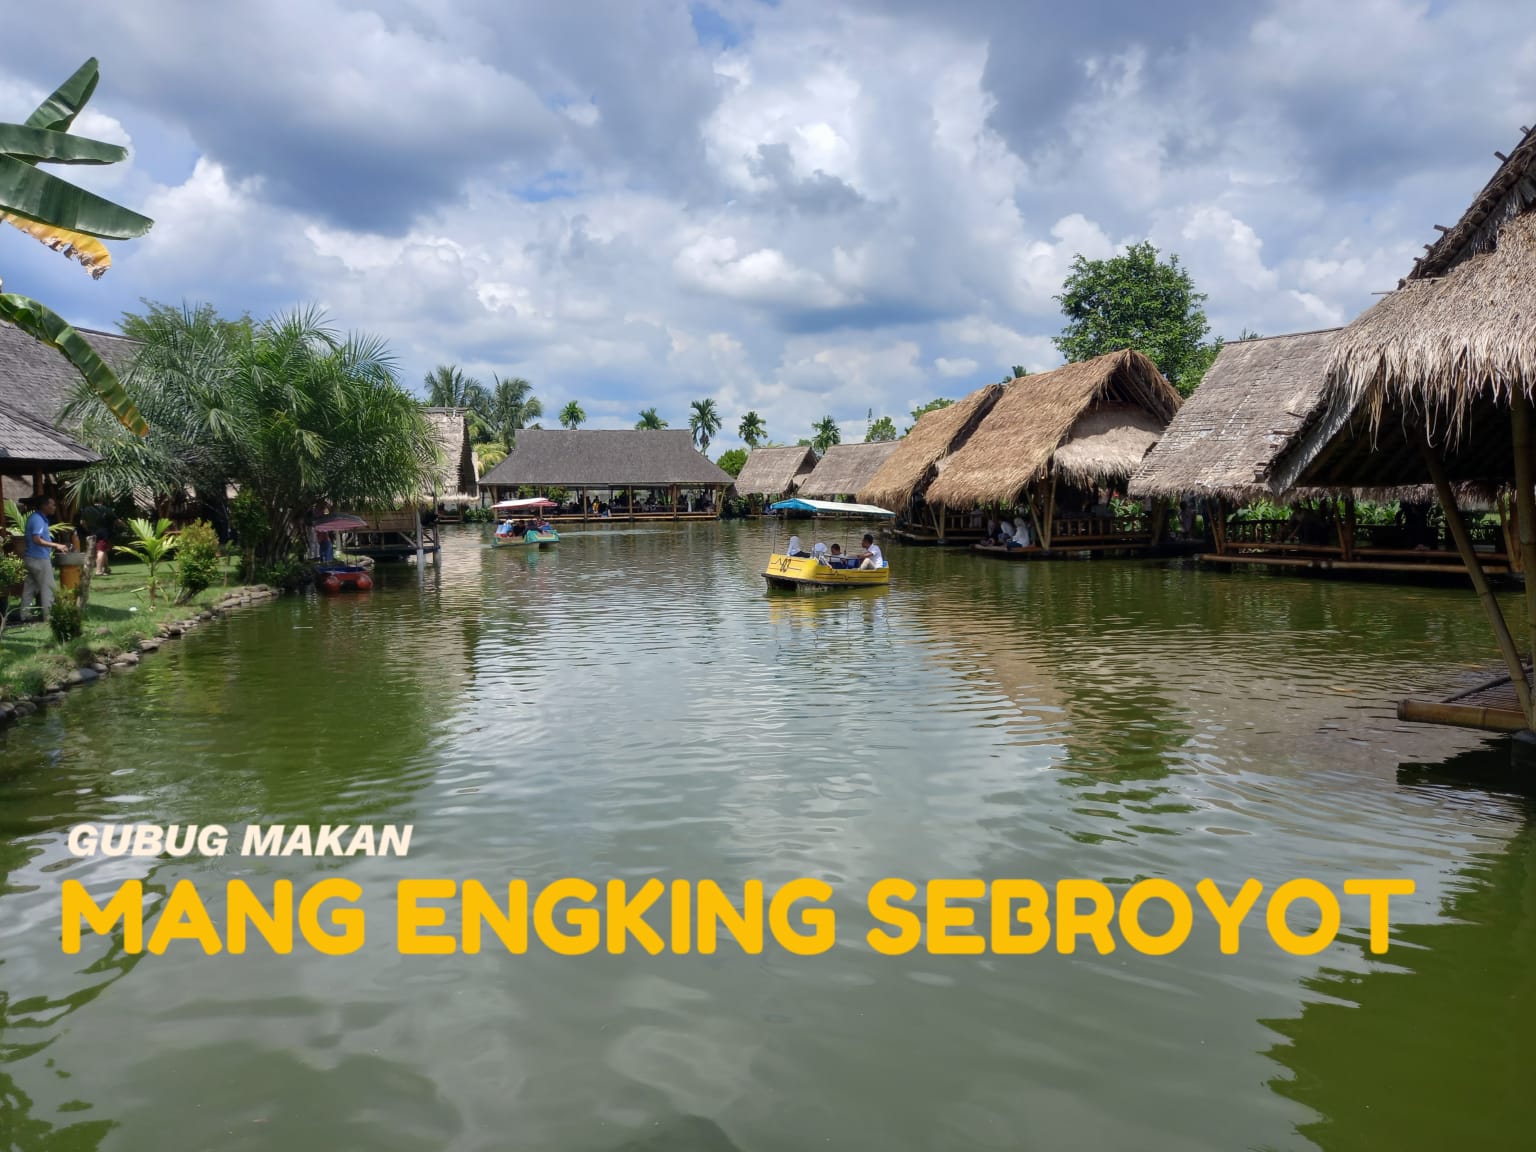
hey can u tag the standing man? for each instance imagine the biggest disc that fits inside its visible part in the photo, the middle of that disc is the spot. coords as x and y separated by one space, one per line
38 558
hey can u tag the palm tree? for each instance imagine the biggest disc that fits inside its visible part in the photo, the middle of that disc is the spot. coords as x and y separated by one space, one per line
152 546
513 406
703 422
448 387
67 219
826 434
650 422
752 429
572 415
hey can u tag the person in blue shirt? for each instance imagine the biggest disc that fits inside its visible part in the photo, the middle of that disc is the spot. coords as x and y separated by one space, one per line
38 558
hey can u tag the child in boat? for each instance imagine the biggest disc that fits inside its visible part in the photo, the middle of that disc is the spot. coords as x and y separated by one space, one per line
836 559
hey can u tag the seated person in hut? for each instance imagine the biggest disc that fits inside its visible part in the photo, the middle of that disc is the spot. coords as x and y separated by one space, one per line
871 557
1020 537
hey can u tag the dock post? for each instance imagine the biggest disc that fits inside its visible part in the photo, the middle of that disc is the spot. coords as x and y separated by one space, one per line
1525 500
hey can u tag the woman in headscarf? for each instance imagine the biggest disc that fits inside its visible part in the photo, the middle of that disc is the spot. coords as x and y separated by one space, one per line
795 551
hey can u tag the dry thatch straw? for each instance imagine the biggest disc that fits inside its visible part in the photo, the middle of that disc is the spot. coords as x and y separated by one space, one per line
845 469
1019 439
912 466
774 471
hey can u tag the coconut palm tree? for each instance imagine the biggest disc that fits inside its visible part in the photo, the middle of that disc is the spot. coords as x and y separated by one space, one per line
703 422
649 421
752 429
513 407
826 434
67 219
572 415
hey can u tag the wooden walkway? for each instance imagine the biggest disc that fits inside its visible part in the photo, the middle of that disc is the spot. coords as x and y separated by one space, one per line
1489 706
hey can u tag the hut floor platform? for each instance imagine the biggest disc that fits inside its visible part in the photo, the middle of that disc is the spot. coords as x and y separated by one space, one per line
1083 550
1364 563
629 518
1488 705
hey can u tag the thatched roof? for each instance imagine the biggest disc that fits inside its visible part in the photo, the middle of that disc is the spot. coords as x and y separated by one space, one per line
603 458
846 469
1511 192
35 383
919 455
1019 439
458 476
1438 354
1253 400
774 471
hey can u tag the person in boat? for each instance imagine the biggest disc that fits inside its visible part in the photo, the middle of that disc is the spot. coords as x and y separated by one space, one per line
819 551
871 557
835 558
1020 537
794 551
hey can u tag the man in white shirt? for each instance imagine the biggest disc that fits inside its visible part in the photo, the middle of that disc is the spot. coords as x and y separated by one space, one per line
871 556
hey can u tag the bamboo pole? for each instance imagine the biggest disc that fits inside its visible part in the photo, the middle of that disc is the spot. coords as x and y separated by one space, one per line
1525 502
1347 528
1031 500
1458 529
1050 510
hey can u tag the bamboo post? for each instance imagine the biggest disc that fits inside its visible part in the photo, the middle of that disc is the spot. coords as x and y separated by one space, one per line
1458 529
1525 502
1050 510
1031 500
943 522
416 513
674 501
1347 529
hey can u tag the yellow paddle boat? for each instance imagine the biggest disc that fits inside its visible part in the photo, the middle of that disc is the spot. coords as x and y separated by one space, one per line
795 568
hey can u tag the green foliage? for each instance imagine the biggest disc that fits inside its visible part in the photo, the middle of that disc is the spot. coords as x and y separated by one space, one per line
198 561
288 411
752 429
882 430
12 570
649 421
152 546
733 460
1135 300
513 407
64 616
15 520
931 406
703 422
479 515
825 433
285 572
573 415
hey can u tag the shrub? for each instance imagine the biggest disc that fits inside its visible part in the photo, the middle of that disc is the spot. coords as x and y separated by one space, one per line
478 515
197 563
12 571
64 618
287 573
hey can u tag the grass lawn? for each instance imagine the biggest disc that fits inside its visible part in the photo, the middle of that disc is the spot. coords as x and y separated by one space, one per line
118 616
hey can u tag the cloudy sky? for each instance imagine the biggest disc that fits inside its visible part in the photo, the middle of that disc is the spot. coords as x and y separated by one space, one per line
803 207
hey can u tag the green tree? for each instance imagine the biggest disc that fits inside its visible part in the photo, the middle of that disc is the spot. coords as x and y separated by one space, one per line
752 429
69 220
152 546
824 434
881 430
292 413
513 408
1135 300
733 460
649 421
932 406
703 422
572 415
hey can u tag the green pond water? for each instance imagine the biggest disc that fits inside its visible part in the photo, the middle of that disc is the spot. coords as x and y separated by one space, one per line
632 704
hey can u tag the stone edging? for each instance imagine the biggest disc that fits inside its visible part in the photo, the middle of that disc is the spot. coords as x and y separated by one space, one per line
89 673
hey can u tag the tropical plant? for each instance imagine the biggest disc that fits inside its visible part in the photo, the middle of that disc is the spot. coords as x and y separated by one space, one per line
703 422
649 421
881 430
923 410
488 455
197 558
572 415
67 219
513 406
289 412
152 546
752 429
248 522
1135 300
824 434
64 616
448 387
733 460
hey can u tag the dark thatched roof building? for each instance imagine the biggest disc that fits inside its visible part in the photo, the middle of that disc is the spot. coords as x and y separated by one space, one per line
771 472
846 469
919 455
603 458
1088 423
1253 400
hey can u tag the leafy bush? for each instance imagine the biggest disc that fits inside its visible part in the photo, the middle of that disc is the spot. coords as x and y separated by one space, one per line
12 571
287 573
478 515
64 618
197 563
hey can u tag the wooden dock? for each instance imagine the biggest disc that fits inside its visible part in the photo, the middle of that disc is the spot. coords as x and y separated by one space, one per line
1489 706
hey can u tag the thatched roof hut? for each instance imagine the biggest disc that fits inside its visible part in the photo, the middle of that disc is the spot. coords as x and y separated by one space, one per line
1087 423
1256 396
603 458
458 477
920 454
775 471
846 469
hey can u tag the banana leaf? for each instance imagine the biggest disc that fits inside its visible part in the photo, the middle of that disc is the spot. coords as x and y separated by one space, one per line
58 112
48 326
91 252
37 195
47 146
